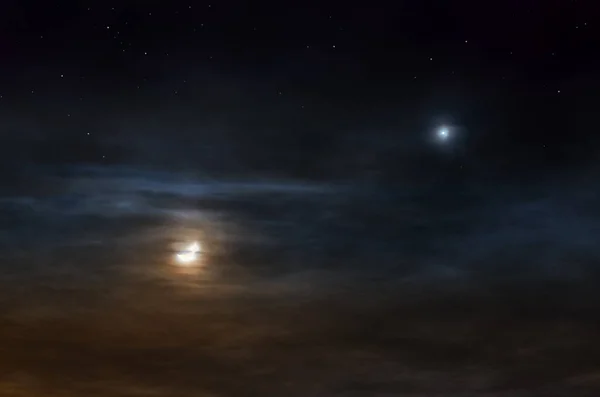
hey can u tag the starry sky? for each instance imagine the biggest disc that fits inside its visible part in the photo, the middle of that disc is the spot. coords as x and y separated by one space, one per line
392 198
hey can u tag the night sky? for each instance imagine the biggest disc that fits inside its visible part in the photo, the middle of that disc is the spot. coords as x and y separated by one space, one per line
299 199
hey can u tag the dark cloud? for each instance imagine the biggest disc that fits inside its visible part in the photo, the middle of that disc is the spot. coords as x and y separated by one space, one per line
409 230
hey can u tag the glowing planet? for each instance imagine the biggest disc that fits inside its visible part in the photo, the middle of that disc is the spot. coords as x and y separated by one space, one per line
443 133
189 255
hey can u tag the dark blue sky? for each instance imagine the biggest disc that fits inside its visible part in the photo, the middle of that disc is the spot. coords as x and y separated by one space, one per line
280 86
346 249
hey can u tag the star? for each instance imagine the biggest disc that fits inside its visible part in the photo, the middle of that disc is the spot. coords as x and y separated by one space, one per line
446 137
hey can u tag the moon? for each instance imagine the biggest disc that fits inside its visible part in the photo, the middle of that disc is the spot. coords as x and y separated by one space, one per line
189 255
